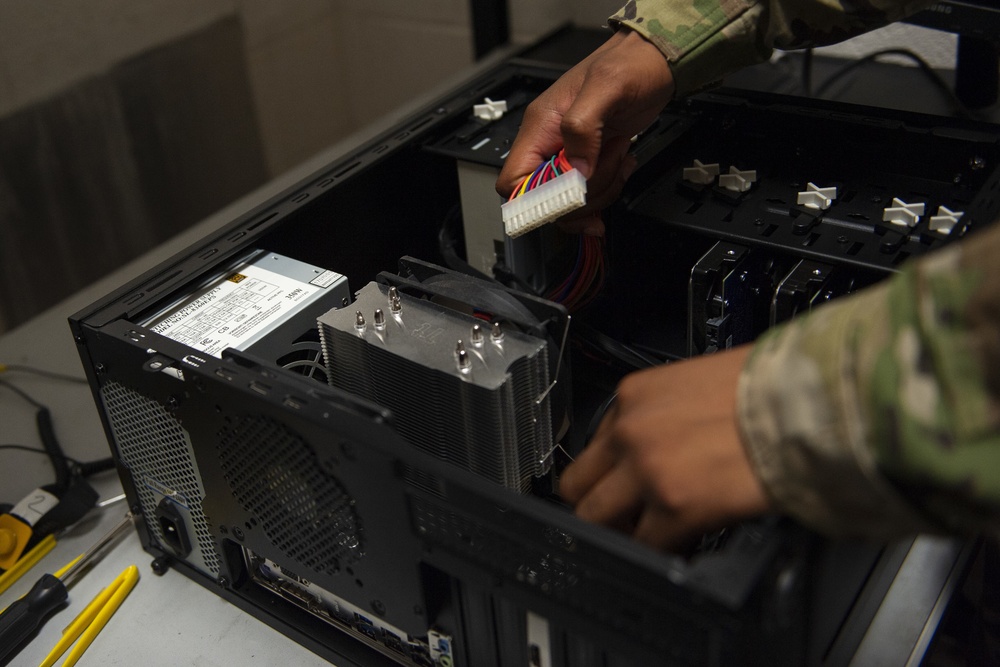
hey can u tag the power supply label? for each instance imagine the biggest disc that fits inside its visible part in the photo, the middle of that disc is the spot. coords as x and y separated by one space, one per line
235 310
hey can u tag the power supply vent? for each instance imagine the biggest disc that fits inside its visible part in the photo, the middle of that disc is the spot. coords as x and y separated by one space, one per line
154 446
276 477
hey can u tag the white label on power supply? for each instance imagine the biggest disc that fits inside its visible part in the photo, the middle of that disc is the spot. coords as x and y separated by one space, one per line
234 310
34 506
326 279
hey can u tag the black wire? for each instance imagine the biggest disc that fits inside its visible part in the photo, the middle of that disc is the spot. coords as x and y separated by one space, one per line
507 276
935 78
807 66
627 355
20 368
34 450
83 468
47 434
23 394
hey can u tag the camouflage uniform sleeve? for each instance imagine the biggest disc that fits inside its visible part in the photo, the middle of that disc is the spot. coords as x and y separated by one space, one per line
706 39
879 414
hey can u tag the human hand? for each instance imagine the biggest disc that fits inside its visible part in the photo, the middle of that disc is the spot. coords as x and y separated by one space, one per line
667 463
593 110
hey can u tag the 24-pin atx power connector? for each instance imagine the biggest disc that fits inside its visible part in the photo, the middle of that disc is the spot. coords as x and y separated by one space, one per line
551 191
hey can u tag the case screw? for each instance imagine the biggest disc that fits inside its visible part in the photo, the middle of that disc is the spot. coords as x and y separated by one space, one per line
378 607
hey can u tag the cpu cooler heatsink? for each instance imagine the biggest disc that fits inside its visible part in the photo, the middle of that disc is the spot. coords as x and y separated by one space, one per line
459 389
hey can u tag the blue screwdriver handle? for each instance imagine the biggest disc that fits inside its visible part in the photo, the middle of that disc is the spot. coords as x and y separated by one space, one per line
22 618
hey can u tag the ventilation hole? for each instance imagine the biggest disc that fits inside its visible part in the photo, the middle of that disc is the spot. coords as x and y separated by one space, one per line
275 476
305 358
162 281
346 169
693 208
260 222
157 451
858 216
770 229
900 257
301 198
728 217
421 123
855 248
811 240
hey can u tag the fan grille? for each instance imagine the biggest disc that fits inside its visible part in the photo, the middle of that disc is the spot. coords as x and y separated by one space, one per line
276 477
157 450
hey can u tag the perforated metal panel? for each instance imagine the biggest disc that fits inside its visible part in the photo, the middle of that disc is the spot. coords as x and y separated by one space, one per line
157 450
305 512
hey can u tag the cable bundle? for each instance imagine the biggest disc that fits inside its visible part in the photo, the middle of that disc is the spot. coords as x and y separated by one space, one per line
586 280
549 192
557 165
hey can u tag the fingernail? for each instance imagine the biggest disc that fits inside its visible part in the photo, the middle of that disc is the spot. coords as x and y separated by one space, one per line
581 166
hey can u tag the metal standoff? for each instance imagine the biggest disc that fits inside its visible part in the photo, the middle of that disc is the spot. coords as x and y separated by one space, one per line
462 357
476 337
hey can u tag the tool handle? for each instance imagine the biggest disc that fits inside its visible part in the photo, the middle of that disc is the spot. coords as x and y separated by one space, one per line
22 618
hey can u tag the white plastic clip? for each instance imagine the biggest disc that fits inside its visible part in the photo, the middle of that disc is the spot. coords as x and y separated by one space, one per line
490 110
816 197
903 214
737 180
702 174
945 220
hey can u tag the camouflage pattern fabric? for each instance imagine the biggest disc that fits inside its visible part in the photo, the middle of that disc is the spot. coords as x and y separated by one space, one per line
879 414
706 39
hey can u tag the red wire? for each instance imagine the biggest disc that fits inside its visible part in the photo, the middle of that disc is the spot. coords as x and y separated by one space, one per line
578 289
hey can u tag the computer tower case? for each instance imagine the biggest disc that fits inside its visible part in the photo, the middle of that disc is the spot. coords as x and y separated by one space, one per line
374 504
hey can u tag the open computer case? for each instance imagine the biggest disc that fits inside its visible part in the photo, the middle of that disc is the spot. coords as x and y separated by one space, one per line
300 429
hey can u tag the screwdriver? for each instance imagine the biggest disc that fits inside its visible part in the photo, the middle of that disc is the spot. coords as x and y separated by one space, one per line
26 615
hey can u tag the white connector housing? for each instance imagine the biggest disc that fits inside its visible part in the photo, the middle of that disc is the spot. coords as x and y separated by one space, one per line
545 203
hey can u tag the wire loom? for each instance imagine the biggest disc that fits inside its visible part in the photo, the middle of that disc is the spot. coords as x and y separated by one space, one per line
587 277
551 191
